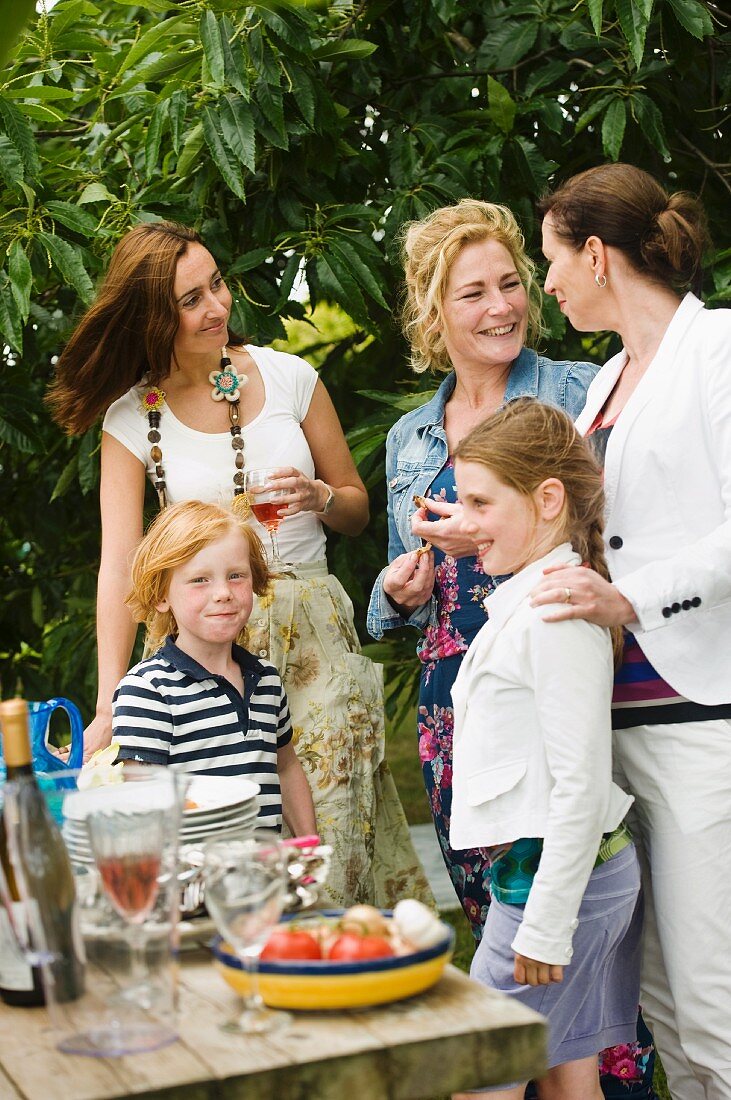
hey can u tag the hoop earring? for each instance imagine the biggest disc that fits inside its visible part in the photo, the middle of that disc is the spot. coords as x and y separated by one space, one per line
601 281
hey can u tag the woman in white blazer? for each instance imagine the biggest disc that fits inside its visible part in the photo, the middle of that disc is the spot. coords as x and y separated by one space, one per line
621 252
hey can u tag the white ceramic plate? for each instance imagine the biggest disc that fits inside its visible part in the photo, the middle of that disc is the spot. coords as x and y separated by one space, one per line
213 792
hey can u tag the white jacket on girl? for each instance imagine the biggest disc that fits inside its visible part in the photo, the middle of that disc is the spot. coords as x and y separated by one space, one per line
533 751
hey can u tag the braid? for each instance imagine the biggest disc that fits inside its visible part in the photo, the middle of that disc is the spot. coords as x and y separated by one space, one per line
593 552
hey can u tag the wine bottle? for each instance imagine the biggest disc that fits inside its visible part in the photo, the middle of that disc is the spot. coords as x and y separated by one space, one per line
43 875
20 983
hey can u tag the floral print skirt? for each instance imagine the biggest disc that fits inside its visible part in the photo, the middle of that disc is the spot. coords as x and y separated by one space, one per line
304 626
625 1071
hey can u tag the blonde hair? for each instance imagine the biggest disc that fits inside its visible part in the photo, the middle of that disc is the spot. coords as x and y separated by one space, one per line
524 444
173 538
429 248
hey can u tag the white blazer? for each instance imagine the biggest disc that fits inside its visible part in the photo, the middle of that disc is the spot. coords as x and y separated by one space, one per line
533 751
667 478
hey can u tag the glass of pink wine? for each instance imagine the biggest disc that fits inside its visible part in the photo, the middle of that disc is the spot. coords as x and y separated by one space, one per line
129 838
265 503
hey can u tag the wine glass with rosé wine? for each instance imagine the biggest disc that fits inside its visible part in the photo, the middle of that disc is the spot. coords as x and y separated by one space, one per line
265 502
129 834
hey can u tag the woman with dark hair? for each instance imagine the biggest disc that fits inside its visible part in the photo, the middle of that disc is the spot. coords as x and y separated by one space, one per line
622 254
161 320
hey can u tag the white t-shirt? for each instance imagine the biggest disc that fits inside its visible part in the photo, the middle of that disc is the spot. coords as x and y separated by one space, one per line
200 465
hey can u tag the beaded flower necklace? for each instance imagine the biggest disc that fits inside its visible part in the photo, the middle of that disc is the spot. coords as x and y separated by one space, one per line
227 384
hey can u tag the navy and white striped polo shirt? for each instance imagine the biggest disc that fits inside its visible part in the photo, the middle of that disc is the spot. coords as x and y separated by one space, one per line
168 709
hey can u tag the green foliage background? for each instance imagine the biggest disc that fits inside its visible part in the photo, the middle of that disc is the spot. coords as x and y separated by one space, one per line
297 136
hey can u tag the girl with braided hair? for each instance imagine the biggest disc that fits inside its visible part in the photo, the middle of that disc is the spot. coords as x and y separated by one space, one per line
532 779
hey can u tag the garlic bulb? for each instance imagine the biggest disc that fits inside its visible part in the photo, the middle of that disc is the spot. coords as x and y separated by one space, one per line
417 924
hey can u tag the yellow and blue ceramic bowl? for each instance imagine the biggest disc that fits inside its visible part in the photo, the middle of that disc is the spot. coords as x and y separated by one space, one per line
316 984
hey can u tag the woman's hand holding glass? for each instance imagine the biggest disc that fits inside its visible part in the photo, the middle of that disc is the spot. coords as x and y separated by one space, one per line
295 491
446 532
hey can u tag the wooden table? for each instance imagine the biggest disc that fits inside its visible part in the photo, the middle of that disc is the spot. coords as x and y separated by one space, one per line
456 1036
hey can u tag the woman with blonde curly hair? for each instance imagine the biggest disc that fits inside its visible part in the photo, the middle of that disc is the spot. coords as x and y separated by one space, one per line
472 310
471 302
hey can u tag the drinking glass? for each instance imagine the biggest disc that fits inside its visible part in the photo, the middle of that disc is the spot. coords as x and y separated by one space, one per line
128 853
265 504
130 827
246 882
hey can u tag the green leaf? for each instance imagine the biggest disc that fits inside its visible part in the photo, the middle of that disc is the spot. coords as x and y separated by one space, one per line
693 16
349 49
633 22
546 75
270 100
21 135
227 166
501 108
159 117
651 123
73 217
11 325
13 435
88 469
67 259
157 67
234 61
95 192
304 95
178 104
595 14
160 6
11 166
191 148
249 261
21 278
586 117
350 259
338 284
521 40
68 475
145 44
613 124
64 15
38 91
237 125
211 39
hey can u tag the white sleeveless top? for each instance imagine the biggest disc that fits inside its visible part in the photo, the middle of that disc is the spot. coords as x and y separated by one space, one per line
200 465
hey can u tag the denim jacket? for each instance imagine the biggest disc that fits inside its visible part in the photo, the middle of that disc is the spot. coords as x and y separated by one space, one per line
416 450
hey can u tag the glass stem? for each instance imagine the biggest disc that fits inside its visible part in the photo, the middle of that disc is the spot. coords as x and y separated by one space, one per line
275 544
252 1001
138 964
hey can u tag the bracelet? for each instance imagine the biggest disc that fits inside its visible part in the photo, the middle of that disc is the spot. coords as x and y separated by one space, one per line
330 500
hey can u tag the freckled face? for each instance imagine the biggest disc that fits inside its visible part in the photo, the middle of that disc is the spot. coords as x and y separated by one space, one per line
203 300
500 520
485 308
211 595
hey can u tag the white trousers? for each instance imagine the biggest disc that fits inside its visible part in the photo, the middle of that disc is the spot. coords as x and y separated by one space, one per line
680 776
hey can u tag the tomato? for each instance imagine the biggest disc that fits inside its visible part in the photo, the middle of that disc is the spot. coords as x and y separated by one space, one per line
351 947
290 943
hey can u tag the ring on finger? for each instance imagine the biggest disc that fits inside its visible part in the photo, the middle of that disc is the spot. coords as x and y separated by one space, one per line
567 597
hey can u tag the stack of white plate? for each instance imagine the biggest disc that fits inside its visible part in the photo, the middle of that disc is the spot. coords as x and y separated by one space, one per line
216 807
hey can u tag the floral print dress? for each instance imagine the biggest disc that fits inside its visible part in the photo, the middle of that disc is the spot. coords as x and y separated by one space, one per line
461 585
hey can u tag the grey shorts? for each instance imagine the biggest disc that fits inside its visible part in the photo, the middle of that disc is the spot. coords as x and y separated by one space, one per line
595 1006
